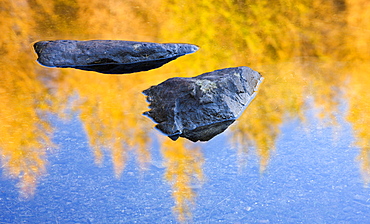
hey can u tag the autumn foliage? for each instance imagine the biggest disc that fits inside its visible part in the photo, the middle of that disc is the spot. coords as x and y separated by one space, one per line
317 48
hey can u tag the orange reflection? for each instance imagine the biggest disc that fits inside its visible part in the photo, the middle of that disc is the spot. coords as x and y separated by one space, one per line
264 37
183 171
259 124
109 107
358 20
358 97
296 45
25 137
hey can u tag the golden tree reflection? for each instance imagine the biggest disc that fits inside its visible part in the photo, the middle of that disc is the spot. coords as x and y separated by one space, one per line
109 108
358 20
359 105
25 136
259 124
183 171
254 33
297 45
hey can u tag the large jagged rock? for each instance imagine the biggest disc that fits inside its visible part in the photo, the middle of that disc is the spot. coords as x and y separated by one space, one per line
204 106
109 56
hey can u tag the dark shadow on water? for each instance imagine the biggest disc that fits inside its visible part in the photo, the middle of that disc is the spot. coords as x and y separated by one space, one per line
113 68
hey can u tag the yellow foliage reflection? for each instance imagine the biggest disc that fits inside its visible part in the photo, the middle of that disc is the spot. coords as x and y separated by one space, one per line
358 95
25 136
183 171
259 124
282 96
109 107
300 47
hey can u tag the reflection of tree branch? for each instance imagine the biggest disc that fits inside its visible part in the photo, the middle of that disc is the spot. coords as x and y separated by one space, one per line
259 125
184 169
358 98
110 113
278 101
25 136
364 158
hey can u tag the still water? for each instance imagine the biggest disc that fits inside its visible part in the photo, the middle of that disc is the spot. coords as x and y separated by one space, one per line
75 147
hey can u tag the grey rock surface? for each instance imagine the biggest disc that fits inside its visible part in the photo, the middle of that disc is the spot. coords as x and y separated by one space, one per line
204 106
109 56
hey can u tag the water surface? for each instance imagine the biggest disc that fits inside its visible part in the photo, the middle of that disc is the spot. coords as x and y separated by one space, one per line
75 147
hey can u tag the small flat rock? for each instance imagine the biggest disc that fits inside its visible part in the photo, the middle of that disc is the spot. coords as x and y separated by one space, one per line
204 106
109 56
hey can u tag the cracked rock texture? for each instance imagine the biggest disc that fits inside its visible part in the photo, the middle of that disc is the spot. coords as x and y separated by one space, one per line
204 106
109 56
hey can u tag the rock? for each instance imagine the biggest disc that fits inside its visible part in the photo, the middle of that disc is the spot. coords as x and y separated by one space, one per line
109 56
204 106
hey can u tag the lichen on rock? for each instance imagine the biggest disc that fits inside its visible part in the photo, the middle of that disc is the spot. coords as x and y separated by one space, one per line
206 85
